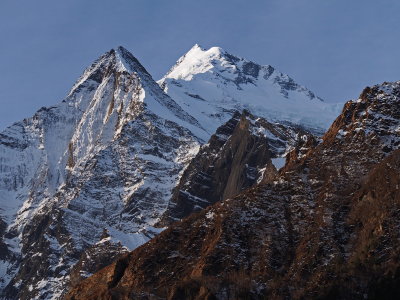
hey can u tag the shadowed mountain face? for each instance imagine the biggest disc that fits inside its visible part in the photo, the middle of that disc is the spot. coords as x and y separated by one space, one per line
243 152
325 228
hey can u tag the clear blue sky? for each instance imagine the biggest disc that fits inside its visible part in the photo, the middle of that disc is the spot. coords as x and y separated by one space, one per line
334 47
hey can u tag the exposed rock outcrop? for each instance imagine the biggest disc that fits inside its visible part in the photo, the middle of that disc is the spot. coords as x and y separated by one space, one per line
243 152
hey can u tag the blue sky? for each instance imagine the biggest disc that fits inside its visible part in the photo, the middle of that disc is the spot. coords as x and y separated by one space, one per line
334 47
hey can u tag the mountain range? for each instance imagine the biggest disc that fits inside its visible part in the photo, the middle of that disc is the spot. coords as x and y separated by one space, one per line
325 227
225 166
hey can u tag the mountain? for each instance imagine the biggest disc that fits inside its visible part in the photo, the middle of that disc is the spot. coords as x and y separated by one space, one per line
326 227
212 84
97 175
97 169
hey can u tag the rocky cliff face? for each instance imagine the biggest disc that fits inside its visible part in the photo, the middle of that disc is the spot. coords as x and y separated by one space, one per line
87 180
325 227
243 152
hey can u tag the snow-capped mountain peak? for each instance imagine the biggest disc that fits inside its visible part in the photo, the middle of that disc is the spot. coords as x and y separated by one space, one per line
214 83
197 60
105 159
118 66
116 60
126 61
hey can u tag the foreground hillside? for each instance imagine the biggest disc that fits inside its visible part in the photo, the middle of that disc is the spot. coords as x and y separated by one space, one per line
326 227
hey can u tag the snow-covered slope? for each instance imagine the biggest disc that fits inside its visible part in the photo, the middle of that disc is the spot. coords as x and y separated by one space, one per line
212 84
100 166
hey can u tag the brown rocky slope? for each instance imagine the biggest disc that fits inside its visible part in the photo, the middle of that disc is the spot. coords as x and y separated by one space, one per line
327 227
